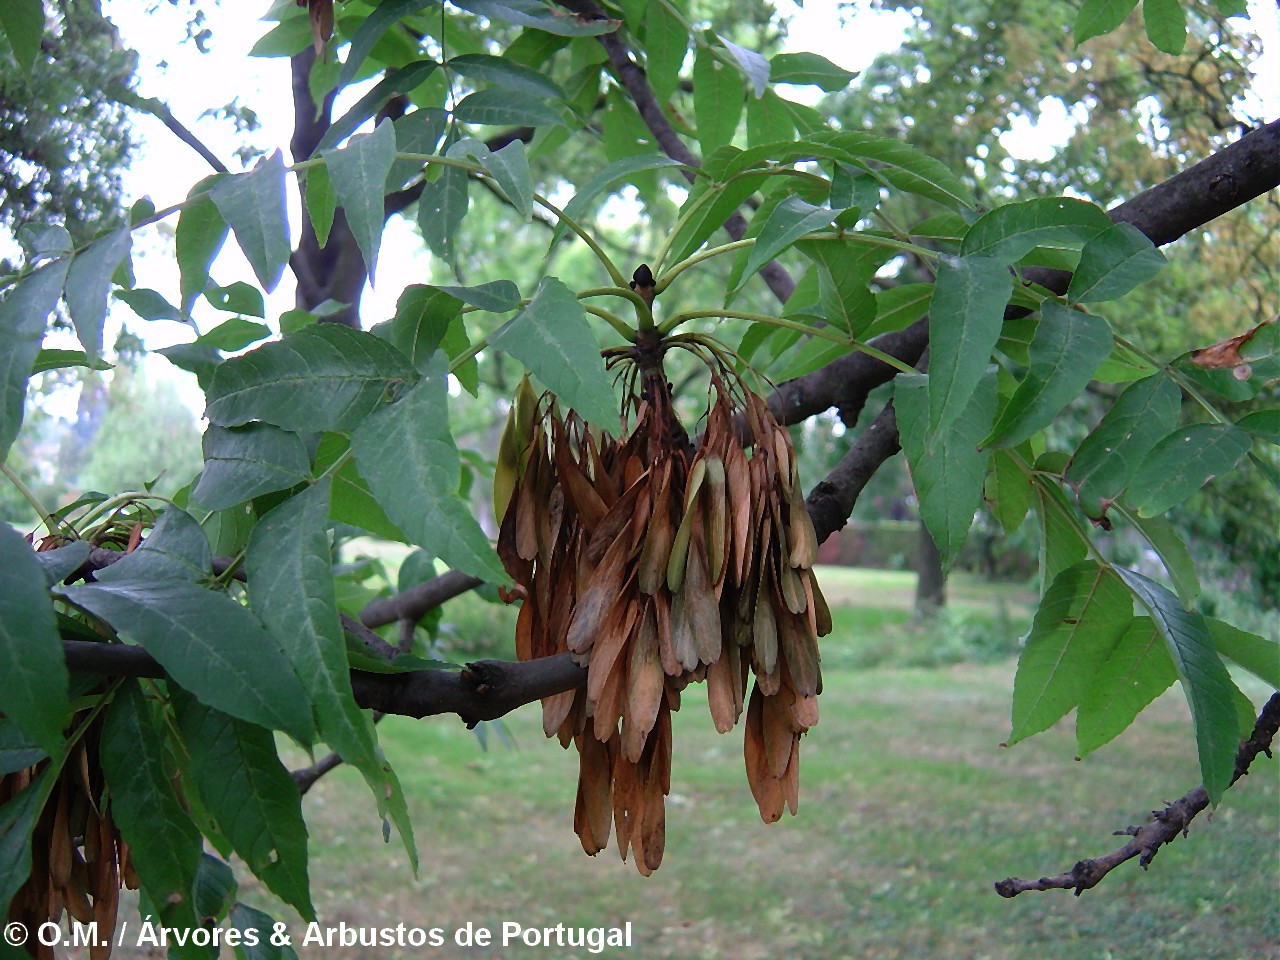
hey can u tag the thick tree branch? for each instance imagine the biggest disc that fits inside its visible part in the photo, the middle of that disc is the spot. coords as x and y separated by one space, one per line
1164 827
831 500
484 690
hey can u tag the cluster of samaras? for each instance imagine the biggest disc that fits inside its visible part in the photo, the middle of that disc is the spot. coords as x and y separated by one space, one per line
655 565
79 860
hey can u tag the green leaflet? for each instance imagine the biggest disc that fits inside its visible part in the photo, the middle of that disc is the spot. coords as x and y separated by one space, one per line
371 30
506 73
1205 681
1173 553
238 297
1008 489
358 171
708 215
200 234
245 462
89 282
1166 24
897 163
1081 618
61 562
176 549
1259 655
1113 263
506 107
148 304
195 358
291 588
233 767
786 223
442 207
423 316
234 334
421 494
253 204
1097 17
496 296
965 315
322 201
44 240
552 338
1262 423
23 24
1067 348
324 377
768 120
947 468
718 97
620 171
163 841
1010 232
666 42
1137 671
508 167
899 307
17 820
418 131
23 313
1181 463
17 749
63 359
403 80
34 691
1063 539
249 920
1109 455
351 500
208 643
809 68
753 66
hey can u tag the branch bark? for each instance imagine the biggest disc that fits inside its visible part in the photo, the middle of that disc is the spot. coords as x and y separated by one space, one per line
1164 827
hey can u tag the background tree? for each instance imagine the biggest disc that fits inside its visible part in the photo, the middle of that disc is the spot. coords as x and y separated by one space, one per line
646 552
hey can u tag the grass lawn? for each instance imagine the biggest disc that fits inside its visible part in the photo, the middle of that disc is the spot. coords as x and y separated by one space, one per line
910 810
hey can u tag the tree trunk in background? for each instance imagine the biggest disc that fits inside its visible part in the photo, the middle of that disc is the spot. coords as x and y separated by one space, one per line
931 582
335 271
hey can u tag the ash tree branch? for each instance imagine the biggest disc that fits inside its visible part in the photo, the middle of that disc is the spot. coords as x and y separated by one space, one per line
1233 176
490 689
1164 826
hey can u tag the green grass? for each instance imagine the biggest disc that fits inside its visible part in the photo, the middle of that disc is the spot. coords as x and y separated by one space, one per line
910 811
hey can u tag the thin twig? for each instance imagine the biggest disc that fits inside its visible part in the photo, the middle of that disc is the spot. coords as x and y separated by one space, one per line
1165 825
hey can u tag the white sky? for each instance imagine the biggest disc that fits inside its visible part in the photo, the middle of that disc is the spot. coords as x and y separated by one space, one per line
165 169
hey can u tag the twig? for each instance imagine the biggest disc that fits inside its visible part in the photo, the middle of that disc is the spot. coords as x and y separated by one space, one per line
306 777
416 602
1164 827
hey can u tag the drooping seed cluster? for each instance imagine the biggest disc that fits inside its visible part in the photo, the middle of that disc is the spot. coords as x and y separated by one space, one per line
655 564
79 860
